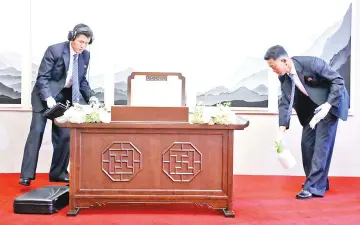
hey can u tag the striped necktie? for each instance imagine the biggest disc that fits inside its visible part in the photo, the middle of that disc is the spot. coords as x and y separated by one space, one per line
292 96
75 81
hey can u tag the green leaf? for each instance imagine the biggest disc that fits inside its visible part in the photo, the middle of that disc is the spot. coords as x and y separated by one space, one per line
279 148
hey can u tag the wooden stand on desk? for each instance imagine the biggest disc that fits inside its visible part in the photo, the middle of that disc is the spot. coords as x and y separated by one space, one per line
148 162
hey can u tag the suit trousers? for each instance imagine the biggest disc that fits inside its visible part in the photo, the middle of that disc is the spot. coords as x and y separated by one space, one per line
60 140
317 148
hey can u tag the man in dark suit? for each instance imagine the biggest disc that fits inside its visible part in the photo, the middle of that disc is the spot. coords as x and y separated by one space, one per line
61 77
319 97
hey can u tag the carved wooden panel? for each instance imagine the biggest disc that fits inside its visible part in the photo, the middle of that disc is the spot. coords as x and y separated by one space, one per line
121 161
182 161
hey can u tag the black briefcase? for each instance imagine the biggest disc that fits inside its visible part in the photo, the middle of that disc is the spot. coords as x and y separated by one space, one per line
46 200
56 111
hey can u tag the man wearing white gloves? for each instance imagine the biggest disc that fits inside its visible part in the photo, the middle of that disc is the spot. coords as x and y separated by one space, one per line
61 77
319 97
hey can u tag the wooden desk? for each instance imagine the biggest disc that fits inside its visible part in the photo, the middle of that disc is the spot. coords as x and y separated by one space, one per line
151 163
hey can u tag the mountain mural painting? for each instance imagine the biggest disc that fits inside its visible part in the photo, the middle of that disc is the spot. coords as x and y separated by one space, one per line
337 49
251 91
120 86
96 83
333 45
10 78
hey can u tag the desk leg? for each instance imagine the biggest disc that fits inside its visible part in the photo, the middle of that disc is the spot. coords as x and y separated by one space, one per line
228 213
73 212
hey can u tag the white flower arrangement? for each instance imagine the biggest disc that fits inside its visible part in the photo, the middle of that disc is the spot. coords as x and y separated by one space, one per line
198 115
221 114
95 112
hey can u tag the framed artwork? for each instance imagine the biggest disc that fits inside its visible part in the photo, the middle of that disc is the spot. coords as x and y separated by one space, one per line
12 51
334 46
220 57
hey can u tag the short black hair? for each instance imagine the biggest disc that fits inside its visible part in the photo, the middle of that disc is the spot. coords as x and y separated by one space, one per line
275 52
83 29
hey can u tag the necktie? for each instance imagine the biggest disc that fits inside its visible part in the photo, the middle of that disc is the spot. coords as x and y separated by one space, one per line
292 96
75 81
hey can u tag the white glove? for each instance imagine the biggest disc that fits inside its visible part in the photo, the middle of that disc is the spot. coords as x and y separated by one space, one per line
93 100
320 113
50 101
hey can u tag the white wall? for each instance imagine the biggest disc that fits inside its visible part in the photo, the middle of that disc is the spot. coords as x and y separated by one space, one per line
253 147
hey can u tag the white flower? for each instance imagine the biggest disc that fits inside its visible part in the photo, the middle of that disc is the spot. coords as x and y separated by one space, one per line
96 106
74 115
104 116
62 119
198 117
87 109
77 118
93 113
221 114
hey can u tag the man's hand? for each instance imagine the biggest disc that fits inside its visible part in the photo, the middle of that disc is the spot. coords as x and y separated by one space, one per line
93 100
50 101
320 113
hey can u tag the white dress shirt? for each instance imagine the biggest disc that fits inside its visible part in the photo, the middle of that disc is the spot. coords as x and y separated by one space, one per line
68 81
297 80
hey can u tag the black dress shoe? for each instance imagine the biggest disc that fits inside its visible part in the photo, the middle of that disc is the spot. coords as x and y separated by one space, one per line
304 194
60 179
25 181
65 180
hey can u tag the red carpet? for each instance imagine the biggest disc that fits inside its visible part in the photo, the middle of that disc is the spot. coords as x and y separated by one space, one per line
259 200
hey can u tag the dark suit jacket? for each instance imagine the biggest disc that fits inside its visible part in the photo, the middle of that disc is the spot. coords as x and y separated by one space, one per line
322 84
52 75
